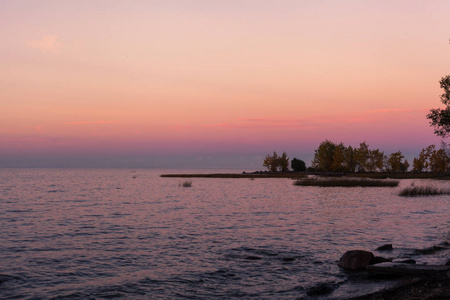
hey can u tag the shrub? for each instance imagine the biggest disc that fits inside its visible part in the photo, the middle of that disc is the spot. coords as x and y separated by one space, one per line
298 165
412 191
186 183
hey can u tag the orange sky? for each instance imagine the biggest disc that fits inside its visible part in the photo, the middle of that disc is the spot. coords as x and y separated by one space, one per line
217 78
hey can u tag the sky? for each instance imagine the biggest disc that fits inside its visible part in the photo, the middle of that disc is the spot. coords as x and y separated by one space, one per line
215 84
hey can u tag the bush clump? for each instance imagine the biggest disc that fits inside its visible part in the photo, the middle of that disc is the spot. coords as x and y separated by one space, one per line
186 183
344 182
412 191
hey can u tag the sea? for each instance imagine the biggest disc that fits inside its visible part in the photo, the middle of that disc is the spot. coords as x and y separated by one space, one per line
131 234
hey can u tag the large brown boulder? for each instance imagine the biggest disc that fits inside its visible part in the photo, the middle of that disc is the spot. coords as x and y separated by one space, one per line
356 259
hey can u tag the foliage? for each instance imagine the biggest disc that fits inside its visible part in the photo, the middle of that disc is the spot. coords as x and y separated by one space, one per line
394 162
275 162
375 160
439 161
324 157
350 159
430 159
440 118
271 162
298 165
338 158
283 162
412 191
331 157
362 155
421 163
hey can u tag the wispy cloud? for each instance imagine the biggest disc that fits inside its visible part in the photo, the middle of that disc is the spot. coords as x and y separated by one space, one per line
319 121
395 110
48 43
90 122
259 123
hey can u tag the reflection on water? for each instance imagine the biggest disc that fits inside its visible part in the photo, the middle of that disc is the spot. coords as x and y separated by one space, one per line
102 233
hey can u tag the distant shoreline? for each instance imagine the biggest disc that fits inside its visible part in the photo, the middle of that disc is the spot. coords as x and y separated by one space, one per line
237 175
296 175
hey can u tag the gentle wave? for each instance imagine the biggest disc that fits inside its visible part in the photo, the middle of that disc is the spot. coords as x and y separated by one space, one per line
97 234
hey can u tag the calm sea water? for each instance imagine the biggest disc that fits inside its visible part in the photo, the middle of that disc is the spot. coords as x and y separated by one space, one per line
98 234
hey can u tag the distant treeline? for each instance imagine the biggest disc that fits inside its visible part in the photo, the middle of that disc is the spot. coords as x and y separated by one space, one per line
332 157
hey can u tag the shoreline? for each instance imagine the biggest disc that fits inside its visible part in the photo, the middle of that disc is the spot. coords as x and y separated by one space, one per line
296 175
408 280
436 286
237 175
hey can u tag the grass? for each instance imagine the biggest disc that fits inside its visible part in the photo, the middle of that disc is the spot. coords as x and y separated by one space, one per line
186 183
413 191
346 182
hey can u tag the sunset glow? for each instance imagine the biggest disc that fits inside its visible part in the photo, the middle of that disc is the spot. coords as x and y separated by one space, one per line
217 79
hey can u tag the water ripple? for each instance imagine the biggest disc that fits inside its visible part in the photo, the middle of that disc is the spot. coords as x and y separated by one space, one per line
97 234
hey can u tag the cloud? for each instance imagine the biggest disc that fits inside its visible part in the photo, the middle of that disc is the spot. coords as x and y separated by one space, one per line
48 43
320 121
395 110
261 123
90 122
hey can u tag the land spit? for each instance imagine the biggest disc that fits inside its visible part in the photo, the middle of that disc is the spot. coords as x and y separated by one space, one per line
296 175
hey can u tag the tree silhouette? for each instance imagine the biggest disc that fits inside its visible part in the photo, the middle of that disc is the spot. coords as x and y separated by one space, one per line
298 165
275 162
440 118
271 162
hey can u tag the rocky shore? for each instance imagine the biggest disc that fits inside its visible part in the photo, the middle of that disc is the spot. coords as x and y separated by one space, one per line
421 281
435 286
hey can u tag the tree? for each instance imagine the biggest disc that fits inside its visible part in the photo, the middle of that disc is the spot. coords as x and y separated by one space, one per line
362 155
324 156
271 162
283 162
274 163
420 163
338 158
430 159
440 118
404 166
375 160
394 162
439 161
350 159
298 165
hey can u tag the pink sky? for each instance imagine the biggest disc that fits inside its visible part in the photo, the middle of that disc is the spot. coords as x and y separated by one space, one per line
204 78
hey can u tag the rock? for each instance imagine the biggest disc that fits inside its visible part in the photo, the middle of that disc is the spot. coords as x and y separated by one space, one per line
379 259
320 289
406 261
447 263
430 250
406 269
386 247
356 259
